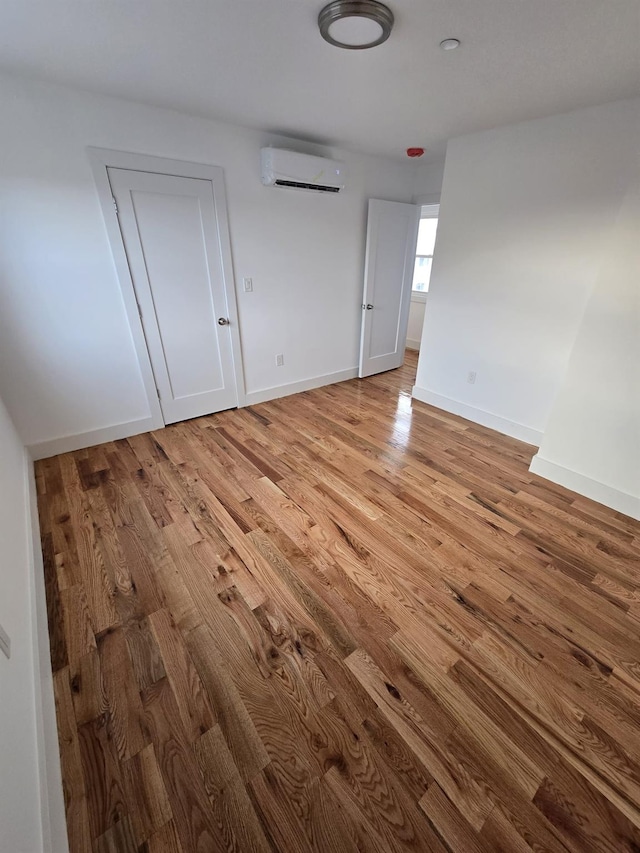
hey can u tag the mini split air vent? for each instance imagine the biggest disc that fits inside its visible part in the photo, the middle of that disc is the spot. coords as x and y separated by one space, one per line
281 168
299 185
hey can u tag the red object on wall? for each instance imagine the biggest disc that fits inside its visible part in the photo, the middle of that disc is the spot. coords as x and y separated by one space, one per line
415 152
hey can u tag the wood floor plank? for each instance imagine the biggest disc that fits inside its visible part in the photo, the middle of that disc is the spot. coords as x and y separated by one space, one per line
146 793
165 840
80 634
447 821
98 586
187 796
339 621
237 820
446 768
284 826
144 651
87 688
193 704
64 543
118 838
74 782
239 730
232 805
55 610
125 717
106 800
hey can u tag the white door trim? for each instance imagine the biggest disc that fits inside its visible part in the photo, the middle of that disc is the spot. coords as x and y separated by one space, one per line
102 158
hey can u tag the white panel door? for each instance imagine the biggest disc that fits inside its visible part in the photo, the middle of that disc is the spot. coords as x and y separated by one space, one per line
392 232
171 237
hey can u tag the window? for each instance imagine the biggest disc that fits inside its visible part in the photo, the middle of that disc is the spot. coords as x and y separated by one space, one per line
424 249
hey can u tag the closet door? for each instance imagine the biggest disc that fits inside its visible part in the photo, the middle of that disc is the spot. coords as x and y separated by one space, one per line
171 237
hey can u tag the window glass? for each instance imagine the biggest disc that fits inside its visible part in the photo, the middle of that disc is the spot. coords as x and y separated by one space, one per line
421 274
426 236
424 254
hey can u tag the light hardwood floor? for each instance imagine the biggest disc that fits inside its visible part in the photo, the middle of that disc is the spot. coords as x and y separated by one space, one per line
341 621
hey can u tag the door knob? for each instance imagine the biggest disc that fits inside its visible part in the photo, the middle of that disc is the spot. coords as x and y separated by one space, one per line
369 306
222 321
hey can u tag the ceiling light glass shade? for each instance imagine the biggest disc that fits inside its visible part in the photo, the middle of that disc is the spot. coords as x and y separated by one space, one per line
355 24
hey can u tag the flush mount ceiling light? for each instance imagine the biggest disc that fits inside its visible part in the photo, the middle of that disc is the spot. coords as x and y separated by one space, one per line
450 44
355 24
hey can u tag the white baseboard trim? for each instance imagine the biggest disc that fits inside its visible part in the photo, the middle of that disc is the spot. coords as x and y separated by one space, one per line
266 394
412 344
583 485
479 416
67 443
52 810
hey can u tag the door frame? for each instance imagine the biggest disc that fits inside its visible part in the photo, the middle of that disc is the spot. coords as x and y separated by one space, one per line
100 160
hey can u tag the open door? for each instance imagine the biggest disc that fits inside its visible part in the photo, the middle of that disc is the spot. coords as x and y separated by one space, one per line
392 232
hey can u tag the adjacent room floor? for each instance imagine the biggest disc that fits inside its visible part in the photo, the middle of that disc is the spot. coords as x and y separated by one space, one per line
341 621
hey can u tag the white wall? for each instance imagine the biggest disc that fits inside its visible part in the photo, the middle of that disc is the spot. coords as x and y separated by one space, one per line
592 441
525 210
428 182
20 823
67 362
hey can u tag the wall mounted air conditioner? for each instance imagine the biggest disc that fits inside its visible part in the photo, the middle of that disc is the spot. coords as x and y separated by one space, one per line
281 168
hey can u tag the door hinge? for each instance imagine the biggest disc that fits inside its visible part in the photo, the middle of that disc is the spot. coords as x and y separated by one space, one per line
139 309
115 205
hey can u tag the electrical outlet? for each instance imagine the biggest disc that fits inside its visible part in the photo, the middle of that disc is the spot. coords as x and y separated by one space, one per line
279 360
471 378
247 284
5 642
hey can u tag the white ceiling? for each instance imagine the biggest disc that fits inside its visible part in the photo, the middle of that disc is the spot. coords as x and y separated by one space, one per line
262 63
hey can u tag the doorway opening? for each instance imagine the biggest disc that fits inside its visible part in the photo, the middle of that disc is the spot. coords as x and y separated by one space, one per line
425 246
